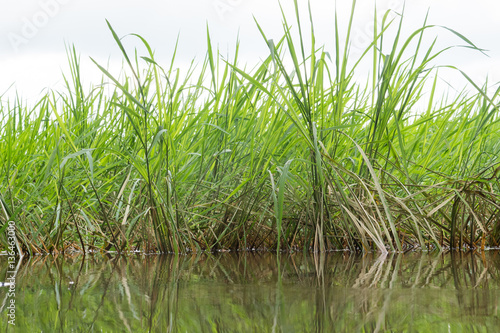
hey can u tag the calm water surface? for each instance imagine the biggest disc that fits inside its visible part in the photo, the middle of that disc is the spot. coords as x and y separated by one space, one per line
256 293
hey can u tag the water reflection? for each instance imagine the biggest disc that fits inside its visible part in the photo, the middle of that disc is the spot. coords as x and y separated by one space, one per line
257 293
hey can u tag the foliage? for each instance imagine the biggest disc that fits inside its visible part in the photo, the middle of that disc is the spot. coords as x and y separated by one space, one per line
290 155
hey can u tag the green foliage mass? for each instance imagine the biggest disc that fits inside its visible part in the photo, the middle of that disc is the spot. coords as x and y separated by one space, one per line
290 155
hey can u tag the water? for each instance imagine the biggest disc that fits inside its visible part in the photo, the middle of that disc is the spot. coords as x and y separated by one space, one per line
256 293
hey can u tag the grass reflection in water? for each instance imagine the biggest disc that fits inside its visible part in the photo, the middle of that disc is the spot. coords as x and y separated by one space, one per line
258 293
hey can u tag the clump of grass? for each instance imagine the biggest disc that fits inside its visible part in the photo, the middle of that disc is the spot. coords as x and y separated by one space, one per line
280 157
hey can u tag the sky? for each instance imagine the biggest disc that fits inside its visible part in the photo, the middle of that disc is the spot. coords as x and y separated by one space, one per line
34 34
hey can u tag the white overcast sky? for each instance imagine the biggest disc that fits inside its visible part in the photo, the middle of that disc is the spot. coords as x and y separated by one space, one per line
34 33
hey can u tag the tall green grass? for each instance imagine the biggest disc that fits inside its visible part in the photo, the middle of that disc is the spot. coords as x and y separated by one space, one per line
292 155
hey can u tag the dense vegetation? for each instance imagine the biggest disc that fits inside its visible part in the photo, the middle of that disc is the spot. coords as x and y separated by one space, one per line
290 155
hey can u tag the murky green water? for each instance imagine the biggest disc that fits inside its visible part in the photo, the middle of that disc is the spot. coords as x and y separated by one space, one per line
255 293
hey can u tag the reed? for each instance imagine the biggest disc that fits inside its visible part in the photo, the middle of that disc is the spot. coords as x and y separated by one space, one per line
292 155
